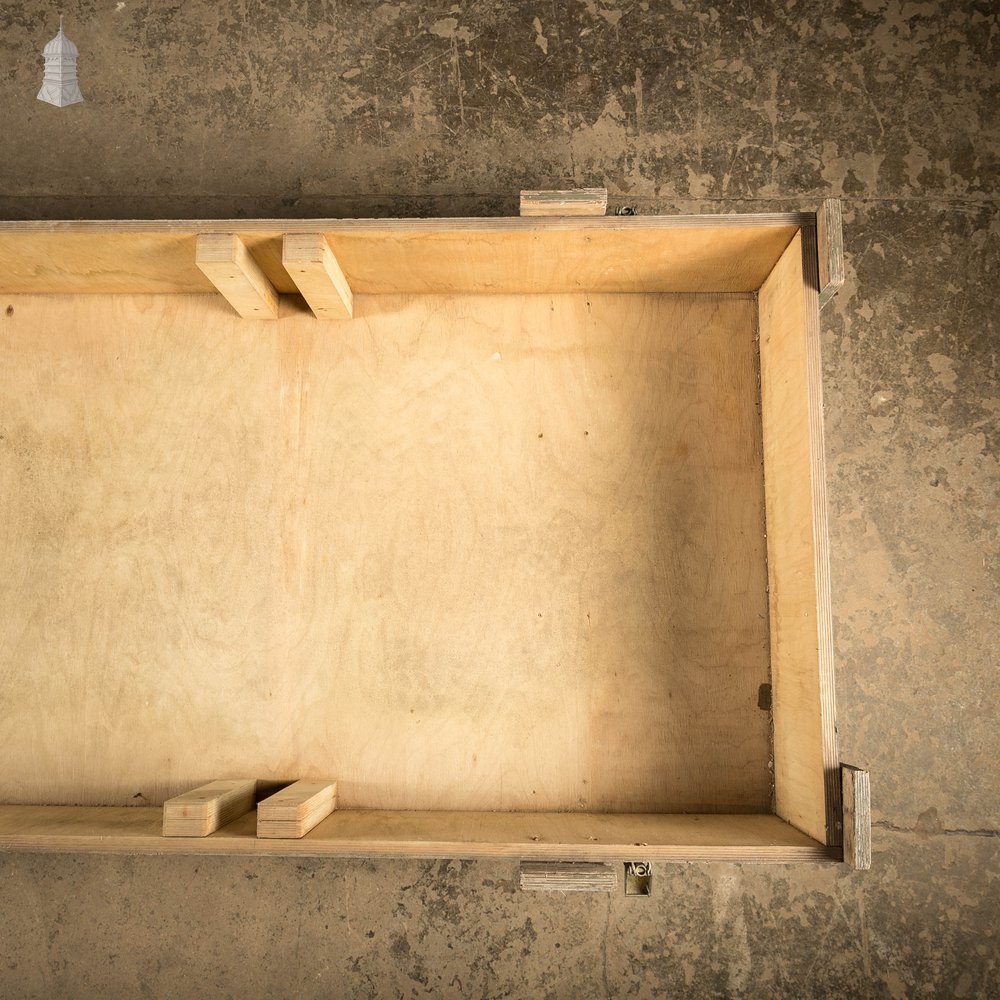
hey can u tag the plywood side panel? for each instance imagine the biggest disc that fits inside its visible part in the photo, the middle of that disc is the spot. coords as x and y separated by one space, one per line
566 836
461 551
464 258
805 752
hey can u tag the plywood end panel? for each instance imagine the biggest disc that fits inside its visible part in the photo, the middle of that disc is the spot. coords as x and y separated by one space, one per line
856 795
295 810
311 264
806 768
225 260
583 201
204 810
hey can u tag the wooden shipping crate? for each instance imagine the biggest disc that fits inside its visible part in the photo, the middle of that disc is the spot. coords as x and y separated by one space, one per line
513 528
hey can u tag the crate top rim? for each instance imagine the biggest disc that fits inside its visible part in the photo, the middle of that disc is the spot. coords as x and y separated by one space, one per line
468 224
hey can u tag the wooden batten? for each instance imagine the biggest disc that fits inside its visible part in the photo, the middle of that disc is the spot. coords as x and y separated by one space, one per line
206 809
295 810
830 249
311 264
584 201
225 260
558 876
856 794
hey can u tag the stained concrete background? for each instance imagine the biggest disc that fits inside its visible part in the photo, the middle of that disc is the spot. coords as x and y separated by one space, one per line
309 107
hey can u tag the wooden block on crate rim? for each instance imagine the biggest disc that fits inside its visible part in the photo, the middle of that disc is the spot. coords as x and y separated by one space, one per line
561 876
857 817
830 249
582 201
205 809
295 810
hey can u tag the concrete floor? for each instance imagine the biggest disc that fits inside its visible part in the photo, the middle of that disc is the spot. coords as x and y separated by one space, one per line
315 108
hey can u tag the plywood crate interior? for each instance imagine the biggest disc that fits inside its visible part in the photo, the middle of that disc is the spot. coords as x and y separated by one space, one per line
527 551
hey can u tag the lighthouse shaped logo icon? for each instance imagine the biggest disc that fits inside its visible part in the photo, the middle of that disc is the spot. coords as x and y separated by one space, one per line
59 86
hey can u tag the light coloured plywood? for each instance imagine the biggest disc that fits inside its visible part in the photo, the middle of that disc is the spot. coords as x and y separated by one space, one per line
566 836
694 254
582 201
227 263
204 809
805 752
310 263
295 810
473 552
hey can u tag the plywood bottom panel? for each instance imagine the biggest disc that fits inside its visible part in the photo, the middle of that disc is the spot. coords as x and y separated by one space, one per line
460 552
566 836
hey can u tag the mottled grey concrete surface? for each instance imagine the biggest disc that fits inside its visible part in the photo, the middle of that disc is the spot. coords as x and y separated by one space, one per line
316 108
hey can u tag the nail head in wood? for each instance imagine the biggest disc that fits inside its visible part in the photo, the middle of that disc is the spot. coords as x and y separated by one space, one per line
560 876
830 247
208 808
584 201
295 810
857 817
225 260
317 274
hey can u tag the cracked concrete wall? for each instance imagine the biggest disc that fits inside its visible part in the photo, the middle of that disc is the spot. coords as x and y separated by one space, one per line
319 108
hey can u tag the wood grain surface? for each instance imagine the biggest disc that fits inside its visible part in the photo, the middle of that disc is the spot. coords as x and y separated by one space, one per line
806 768
364 833
460 552
203 810
452 256
856 794
296 809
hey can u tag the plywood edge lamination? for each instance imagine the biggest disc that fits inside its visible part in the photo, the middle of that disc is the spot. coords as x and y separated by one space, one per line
830 249
583 201
225 260
206 809
295 810
311 264
567 876
856 795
